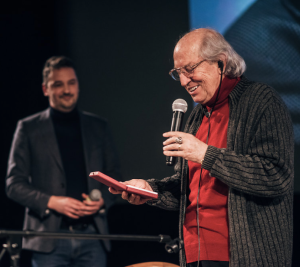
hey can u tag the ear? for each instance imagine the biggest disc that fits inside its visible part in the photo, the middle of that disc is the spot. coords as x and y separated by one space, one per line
45 91
223 58
220 65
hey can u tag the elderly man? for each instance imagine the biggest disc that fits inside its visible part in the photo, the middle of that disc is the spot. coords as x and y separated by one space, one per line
233 183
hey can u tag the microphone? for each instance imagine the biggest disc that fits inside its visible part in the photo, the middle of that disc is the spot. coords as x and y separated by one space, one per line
94 195
179 107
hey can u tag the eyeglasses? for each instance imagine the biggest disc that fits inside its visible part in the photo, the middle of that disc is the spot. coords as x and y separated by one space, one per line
187 71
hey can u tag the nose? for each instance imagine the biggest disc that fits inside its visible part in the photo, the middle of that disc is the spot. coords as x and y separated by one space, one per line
184 80
66 89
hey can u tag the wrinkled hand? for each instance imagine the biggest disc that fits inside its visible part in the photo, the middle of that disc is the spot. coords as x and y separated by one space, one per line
191 148
66 205
133 198
91 207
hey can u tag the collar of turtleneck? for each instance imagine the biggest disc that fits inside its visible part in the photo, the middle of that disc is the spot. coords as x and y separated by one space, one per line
226 87
58 115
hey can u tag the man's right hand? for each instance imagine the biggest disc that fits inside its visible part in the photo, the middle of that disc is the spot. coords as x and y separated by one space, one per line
66 205
133 198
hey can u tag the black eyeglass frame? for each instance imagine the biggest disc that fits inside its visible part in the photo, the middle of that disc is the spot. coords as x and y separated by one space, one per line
187 73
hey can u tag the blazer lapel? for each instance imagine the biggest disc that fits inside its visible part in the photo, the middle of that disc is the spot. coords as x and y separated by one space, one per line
48 135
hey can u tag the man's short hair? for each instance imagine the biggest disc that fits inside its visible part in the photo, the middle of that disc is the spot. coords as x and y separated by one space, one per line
56 62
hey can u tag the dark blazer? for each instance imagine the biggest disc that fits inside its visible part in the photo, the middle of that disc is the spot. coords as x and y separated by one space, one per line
35 172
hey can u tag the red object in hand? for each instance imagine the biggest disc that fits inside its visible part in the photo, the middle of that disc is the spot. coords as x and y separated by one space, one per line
104 179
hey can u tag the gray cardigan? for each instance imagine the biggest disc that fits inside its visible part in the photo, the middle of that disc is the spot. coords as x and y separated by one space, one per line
258 167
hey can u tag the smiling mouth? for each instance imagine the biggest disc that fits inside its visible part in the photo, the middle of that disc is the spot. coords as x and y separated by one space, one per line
192 89
67 96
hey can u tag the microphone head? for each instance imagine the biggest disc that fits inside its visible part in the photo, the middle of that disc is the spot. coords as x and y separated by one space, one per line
95 195
180 105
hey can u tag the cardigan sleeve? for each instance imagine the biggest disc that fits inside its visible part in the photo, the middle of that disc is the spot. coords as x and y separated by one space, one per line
168 190
266 169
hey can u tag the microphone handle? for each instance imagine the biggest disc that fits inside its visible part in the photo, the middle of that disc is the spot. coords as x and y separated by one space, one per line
175 126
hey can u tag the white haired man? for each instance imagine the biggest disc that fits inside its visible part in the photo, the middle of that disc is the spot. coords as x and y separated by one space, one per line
233 182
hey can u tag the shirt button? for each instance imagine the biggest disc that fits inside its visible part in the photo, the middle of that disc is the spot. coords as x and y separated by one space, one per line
47 211
209 174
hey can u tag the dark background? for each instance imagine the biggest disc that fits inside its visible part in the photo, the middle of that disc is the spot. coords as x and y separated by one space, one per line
123 53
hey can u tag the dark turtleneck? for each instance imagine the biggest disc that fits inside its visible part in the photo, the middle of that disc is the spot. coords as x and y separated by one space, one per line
69 139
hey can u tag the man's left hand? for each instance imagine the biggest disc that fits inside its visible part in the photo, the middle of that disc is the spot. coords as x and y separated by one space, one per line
91 207
191 148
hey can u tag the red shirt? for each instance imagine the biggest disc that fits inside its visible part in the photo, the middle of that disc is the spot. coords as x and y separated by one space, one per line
213 219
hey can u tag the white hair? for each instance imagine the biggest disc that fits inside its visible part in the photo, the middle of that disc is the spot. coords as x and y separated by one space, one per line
213 45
